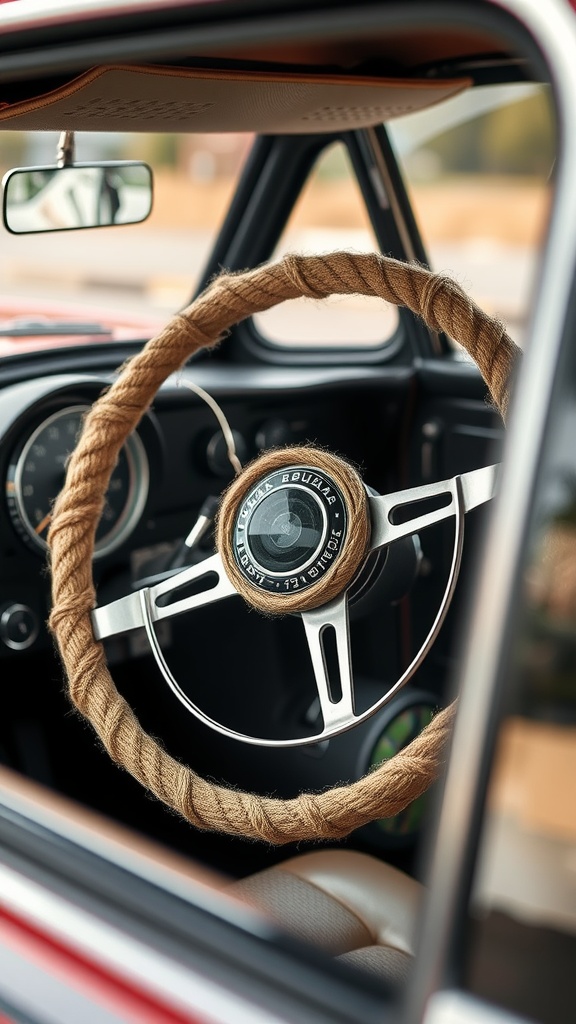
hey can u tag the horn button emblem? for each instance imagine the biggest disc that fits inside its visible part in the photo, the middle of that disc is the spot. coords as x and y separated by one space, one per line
289 530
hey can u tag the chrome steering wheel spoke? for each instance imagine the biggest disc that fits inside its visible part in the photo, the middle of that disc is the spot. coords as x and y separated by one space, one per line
420 507
336 695
162 601
392 516
448 498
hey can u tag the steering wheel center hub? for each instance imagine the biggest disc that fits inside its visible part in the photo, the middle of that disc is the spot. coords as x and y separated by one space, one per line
290 529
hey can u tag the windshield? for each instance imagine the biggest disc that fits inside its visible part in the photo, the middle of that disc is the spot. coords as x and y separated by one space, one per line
479 169
128 278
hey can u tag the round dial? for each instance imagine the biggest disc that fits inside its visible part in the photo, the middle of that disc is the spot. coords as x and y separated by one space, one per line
37 471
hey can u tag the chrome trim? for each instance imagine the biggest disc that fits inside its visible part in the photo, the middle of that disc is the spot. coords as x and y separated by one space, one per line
450 1006
337 714
476 487
36 13
490 629
117 951
126 613
66 149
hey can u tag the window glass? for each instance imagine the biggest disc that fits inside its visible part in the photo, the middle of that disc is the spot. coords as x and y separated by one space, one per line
329 215
478 171
522 927
147 268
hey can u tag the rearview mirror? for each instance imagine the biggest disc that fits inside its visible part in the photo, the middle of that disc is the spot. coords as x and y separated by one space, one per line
76 196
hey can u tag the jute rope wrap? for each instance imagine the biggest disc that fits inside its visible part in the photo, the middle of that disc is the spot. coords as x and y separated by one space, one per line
229 299
345 567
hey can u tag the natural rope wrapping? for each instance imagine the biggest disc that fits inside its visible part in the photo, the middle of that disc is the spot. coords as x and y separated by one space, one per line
229 299
353 553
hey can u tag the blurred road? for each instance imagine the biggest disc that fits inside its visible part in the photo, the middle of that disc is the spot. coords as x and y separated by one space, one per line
142 270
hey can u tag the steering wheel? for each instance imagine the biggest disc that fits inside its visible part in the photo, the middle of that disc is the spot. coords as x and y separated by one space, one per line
285 529
297 532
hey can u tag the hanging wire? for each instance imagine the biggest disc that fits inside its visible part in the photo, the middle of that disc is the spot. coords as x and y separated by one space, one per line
224 425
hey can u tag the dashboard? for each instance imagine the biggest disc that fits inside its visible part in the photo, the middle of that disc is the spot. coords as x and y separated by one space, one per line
253 672
167 469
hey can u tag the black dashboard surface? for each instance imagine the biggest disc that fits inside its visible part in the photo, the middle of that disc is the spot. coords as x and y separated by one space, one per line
397 426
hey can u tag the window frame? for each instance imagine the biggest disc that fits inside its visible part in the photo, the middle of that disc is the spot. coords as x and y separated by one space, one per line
241 244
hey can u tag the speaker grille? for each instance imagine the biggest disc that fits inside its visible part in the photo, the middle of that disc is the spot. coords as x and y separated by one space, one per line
139 110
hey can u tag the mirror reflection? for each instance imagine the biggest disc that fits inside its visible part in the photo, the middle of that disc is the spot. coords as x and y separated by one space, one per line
76 196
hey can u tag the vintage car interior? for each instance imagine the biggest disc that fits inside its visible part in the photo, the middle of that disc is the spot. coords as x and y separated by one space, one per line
239 258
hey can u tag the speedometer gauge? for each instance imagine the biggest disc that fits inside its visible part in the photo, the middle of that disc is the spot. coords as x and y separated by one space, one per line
36 476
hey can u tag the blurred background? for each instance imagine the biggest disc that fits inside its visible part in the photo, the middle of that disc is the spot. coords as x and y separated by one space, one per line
478 169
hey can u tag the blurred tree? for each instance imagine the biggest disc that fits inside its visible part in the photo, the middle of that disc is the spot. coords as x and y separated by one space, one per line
158 150
12 150
517 139
520 139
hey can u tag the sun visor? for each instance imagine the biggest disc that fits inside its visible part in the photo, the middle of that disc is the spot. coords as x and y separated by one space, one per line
166 99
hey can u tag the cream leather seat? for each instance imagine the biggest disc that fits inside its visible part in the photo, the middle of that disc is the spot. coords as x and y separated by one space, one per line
352 905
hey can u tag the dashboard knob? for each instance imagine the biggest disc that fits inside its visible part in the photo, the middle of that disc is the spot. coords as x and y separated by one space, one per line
19 626
216 456
273 433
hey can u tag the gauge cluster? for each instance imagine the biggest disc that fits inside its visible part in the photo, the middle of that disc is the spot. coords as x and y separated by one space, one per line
40 421
36 474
